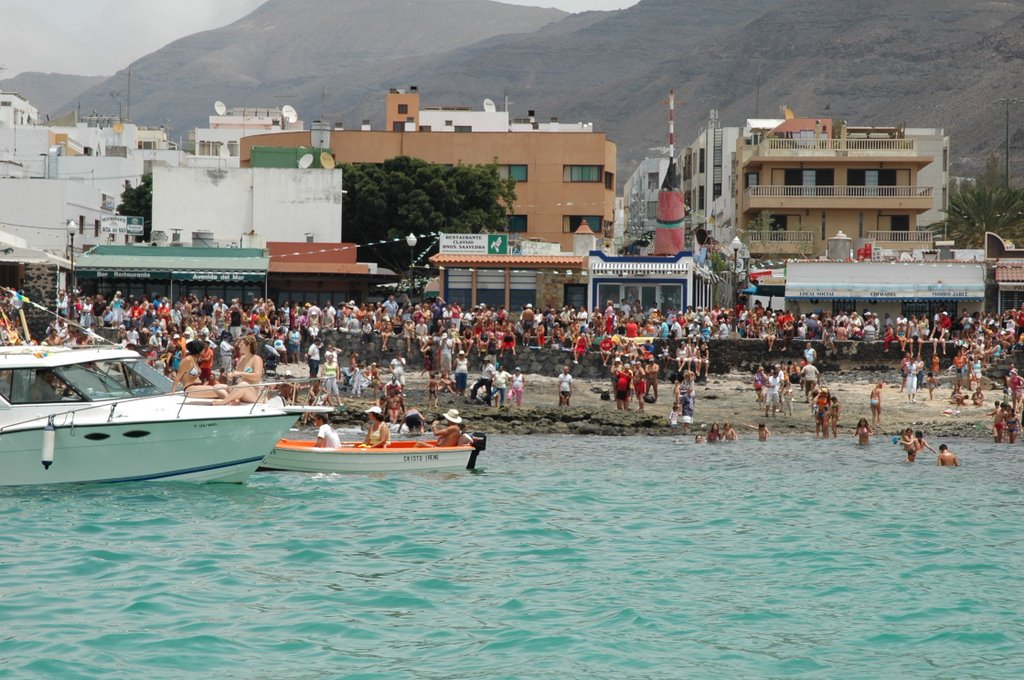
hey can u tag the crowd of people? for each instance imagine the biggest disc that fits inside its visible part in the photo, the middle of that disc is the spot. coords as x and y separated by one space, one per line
196 341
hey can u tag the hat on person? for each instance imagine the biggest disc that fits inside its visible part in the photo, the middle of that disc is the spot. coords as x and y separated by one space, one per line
374 410
176 336
452 416
529 306
462 351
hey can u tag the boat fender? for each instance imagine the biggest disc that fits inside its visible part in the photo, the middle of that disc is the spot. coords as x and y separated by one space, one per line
49 440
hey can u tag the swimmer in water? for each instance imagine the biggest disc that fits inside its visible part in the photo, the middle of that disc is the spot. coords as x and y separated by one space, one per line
947 458
863 432
908 444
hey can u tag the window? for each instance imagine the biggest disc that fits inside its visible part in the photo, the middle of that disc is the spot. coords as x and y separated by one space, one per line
463 128
899 223
424 128
96 228
609 180
581 173
517 223
397 126
517 172
403 109
652 210
652 181
752 179
700 167
571 223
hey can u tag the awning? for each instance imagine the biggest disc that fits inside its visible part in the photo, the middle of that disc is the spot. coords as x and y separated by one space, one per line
880 291
146 275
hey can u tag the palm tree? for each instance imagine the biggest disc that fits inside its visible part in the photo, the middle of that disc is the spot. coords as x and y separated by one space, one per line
975 209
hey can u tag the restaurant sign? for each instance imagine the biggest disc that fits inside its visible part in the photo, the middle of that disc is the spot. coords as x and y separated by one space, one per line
474 244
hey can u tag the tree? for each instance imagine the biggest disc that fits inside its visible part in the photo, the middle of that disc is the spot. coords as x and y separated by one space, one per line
977 208
385 203
138 202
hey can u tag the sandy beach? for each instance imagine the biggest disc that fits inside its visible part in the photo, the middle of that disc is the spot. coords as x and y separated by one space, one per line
723 398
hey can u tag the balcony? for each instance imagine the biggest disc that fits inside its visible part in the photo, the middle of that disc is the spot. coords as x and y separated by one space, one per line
902 240
835 148
778 242
773 196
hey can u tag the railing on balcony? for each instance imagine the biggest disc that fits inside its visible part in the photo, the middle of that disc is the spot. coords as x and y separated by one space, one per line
902 240
779 241
787 191
838 147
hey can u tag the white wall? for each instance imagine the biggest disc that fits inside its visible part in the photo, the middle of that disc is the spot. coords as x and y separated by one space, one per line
37 210
280 204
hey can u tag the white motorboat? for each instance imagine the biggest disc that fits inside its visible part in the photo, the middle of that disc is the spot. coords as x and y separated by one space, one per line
101 414
298 455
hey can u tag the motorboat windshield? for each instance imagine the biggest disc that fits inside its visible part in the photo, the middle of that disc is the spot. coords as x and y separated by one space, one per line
98 380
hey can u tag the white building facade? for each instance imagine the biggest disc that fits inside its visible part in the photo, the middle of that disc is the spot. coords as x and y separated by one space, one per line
277 204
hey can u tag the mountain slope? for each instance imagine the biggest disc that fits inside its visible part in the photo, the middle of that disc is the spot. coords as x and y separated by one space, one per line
934 64
49 91
288 51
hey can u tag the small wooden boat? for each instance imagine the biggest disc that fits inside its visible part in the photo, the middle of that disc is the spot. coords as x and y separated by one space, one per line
298 455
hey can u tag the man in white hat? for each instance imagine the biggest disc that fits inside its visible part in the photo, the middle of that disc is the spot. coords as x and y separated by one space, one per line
448 432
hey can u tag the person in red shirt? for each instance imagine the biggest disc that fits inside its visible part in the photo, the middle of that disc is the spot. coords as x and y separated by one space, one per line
632 330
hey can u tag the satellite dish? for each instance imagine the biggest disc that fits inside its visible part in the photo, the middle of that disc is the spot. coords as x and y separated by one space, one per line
489 106
306 160
326 161
220 108
289 113
119 127
224 152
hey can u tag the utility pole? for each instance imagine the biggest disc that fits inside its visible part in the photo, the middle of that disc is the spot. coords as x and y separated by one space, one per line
1007 101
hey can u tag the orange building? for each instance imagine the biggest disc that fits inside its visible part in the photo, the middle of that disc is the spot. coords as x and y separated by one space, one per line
565 173
801 183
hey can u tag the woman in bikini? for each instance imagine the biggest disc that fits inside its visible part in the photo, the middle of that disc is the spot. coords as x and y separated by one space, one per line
248 372
875 401
188 375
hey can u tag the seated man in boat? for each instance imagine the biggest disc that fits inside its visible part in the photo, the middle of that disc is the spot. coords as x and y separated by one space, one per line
326 436
449 432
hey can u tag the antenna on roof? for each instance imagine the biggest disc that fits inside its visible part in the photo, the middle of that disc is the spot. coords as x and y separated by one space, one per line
289 113
306 160
220 108
489 106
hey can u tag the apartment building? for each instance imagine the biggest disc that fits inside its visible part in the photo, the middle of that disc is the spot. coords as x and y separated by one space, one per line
565 173
802 181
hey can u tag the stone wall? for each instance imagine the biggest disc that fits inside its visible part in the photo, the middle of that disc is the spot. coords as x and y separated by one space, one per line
39 285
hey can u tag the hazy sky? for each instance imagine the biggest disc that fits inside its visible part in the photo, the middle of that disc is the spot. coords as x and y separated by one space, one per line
100 37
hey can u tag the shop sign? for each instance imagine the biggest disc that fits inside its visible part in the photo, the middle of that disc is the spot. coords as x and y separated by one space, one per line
474 244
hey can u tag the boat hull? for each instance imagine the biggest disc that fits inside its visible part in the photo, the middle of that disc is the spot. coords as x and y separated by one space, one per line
303 456
208 449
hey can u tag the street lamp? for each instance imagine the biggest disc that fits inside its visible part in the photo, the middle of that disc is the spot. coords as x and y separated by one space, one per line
410 241
736 245
1006 101
72 228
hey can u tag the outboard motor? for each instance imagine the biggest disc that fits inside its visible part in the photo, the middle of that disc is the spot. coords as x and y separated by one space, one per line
479 444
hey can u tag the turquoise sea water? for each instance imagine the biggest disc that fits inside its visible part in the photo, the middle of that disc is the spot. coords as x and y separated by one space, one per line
564 557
